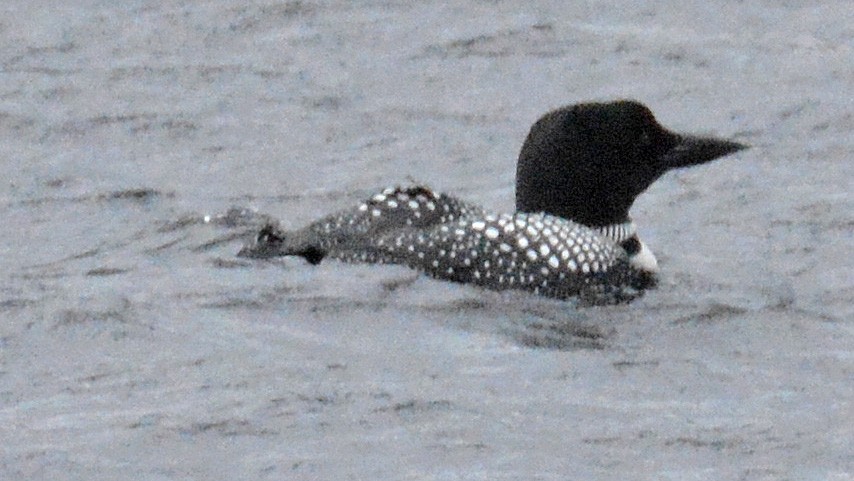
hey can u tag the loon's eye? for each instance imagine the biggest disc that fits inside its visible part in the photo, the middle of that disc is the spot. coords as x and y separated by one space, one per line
644 138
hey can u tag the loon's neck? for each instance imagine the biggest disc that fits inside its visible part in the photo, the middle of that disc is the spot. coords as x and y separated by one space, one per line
619 233
625 234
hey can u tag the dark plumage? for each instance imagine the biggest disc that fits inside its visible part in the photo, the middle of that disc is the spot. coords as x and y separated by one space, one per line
588 162
579 171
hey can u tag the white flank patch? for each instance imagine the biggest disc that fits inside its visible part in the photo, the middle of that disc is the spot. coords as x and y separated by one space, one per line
644 260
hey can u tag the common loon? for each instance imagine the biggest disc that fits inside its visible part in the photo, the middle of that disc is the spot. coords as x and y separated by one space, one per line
579 171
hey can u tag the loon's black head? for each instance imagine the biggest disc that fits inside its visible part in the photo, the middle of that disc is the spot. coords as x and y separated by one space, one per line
588 162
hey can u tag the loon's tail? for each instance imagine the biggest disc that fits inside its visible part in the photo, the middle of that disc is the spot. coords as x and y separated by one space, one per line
272 241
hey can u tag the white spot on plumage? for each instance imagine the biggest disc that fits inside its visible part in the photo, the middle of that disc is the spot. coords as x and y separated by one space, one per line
553 262
478 225
491 233
532 254
412 204
522 241
544 250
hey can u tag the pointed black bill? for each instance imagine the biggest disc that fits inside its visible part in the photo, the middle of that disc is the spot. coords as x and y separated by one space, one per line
694 150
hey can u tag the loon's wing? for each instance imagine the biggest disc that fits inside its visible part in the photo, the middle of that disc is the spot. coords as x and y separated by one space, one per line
536 252
395 208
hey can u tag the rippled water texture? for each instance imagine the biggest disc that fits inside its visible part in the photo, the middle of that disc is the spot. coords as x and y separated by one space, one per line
142 141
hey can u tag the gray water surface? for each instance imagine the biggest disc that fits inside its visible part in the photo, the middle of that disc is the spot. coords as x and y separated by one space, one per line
135 345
